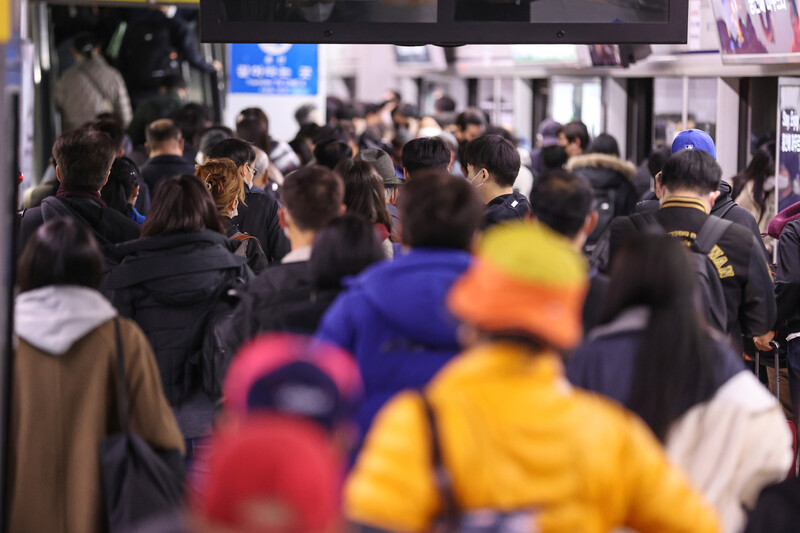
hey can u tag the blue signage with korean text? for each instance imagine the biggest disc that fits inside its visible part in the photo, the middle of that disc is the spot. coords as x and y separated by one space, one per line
288 69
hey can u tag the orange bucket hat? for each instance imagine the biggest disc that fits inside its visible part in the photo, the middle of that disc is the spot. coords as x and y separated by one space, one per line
525 278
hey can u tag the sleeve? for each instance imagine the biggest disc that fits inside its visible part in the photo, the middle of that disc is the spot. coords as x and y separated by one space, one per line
392 486
256 259
659 495
277 245
757 311
337 324
187 45
787 278
150 415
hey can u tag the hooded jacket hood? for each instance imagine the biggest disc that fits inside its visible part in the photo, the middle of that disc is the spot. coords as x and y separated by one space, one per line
55 317
410 292
724 199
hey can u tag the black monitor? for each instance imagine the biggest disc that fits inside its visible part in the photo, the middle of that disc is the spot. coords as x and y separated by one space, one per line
446 22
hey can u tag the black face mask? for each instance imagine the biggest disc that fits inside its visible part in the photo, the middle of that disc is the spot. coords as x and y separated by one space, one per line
554 156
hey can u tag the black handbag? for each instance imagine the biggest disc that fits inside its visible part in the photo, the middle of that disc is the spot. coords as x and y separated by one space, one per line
138 481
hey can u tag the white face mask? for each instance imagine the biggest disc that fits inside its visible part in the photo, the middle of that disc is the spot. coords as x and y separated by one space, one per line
472 181
769 183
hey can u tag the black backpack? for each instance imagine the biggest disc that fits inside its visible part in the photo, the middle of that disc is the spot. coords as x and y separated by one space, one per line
145 54
606 200
714 306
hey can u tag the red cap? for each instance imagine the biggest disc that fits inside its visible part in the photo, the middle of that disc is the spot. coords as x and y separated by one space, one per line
270 474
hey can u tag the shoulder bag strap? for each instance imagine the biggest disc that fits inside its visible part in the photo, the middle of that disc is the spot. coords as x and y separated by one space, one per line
122 386
444 482
710 232
93 82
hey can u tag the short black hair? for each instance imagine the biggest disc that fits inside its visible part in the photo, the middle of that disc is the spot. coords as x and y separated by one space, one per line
426 152
237 150
561 200
313 196
438 210
343 248
61 252
470 116
576 130
656 160
303 114
694 170
124 176
83 158
172 82
161 131
111 127
331 152
604 144
498 156
192 118
444 104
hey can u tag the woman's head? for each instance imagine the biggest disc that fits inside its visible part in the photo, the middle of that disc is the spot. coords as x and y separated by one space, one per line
677 364
181 204
61 252
759 171
363 192
343 248
119 189
254 131
224 181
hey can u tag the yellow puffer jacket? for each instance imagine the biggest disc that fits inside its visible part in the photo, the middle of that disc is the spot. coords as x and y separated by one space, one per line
515 436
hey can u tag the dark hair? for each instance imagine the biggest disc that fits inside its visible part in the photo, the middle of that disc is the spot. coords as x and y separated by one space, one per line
438 210
237 150
257 114
313 196
111 127
350 111
363 192
554 157
303 114
331 152
212 136
338 131
427 152
562 200
61 252
302 144
406 110
604 144
675 360
118 189
181 204
192 118
761 167
343 248
694 170
468 117
656 160
172 82
502 132
161 131
84 43
444 104
498 156
254 131
576 130
83 158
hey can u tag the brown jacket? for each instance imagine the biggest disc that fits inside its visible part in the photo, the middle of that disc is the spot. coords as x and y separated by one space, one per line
61 407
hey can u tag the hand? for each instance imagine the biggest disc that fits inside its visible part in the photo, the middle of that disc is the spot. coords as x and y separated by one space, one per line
762 342
217 65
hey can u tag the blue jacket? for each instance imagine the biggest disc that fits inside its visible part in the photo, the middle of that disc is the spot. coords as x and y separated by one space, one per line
393 319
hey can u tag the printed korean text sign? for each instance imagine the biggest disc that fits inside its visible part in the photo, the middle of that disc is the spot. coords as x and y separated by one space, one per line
277 69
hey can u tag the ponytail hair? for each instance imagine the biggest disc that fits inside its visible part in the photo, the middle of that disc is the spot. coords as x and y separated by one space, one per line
222 178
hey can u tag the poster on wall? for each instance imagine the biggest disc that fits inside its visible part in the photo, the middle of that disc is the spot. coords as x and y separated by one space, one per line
787 171
274 69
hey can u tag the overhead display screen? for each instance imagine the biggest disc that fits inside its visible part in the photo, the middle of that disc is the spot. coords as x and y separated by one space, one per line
758 30
447 22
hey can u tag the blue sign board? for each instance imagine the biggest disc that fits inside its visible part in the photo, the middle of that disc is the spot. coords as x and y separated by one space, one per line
289 69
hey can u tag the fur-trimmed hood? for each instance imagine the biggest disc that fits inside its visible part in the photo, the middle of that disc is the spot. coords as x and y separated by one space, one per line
626 168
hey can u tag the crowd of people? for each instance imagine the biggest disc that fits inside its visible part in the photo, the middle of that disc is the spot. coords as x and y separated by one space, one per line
396 322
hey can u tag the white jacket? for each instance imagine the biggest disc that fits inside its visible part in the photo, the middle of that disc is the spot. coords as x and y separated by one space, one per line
732 446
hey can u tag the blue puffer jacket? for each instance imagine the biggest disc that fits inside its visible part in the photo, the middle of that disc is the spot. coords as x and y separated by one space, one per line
393 319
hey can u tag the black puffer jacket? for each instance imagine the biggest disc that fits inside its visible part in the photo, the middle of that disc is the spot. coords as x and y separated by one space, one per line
258 216
168 285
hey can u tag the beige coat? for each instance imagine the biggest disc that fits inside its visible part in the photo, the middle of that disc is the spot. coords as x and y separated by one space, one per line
61 408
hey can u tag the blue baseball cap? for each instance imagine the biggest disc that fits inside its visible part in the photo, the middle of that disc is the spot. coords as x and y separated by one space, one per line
694 140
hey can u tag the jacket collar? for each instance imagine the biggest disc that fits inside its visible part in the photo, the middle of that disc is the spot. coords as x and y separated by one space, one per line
684 201
173 240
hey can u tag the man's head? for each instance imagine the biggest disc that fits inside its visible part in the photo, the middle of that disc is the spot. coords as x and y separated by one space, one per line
547 134
492 163
563 201
84 45
690 173
83 159
694 140
111 127
163 137
240 152
438 210
574 137
425 153
470 125
331 152
312 197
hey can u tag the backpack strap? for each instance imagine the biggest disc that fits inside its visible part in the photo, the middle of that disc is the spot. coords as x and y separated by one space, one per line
647 224
710 232
444 482
725 211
